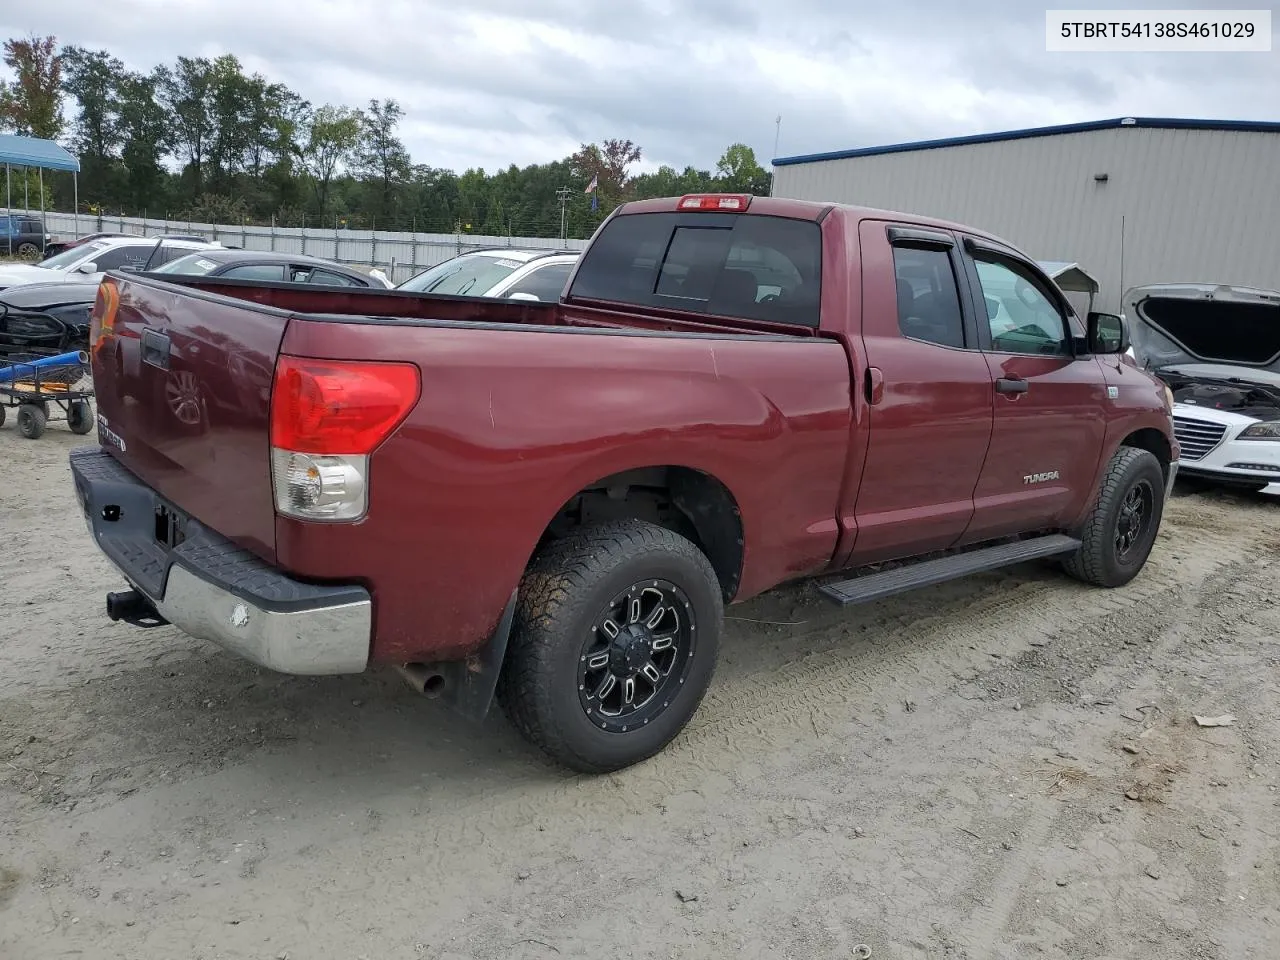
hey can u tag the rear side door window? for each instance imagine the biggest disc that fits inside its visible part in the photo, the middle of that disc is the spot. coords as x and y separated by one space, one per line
545 282
164 253
135 255
329 278
928 295
255 271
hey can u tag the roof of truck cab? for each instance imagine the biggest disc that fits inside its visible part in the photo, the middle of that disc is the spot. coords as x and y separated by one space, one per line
816 210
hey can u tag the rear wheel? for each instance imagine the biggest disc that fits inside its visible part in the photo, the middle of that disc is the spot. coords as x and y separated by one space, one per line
1122 528
614 645
32 420
79 417
28 251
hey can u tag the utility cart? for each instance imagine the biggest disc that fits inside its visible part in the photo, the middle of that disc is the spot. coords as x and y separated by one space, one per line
47 388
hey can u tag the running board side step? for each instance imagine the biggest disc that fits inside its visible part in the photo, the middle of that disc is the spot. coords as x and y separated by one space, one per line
874 586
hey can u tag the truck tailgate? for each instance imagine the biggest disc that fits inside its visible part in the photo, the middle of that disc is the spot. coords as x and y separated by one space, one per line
183 383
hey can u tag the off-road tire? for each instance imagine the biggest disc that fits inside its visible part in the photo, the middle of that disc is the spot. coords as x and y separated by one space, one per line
1098 561
563 595
79 417
32 420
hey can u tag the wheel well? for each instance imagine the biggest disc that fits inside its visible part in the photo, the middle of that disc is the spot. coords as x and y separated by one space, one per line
689 502
1154 442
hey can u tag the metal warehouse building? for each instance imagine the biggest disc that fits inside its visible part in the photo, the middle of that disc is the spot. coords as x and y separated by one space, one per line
1132 200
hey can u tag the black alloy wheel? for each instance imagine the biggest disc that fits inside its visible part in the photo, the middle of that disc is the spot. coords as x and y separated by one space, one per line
1133 518
636 655
613 645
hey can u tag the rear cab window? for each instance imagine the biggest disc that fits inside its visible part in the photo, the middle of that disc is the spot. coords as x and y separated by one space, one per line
749 266
928 296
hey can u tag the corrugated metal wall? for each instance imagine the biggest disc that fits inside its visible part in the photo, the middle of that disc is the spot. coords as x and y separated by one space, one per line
1194 205
399 255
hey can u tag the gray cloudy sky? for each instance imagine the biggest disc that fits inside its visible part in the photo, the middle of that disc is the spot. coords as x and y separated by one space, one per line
525 81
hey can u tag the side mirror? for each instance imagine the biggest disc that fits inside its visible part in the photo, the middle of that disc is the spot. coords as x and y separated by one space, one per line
1107 333
90 267
524 296
129 268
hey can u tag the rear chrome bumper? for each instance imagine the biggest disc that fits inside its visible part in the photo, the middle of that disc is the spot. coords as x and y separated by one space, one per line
209 588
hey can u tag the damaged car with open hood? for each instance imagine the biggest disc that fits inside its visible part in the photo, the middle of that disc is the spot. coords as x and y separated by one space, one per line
1217 347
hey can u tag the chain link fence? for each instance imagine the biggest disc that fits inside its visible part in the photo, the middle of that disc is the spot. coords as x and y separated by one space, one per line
398 255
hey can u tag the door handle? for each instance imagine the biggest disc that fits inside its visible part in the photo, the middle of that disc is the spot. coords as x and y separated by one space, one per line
1007 385
874 383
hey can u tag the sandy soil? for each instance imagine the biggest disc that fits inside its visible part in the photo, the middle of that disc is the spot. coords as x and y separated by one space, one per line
1004 767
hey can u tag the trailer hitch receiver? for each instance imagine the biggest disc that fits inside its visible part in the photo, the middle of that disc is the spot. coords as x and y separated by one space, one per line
134 609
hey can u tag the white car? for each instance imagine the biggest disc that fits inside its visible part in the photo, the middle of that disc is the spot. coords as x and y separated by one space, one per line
1217 347
512 274
88 262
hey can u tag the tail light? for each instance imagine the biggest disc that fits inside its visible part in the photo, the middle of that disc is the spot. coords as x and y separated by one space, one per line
102 320
327 417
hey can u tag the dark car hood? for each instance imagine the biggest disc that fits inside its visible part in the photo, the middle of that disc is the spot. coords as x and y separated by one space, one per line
1205 324
41 296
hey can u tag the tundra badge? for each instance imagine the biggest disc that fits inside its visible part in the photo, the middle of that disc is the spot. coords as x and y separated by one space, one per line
1040 477
107 435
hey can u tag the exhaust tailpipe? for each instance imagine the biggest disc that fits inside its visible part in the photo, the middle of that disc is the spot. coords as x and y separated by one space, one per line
424 679
134 609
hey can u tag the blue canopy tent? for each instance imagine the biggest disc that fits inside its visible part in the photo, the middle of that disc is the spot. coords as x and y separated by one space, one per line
19 151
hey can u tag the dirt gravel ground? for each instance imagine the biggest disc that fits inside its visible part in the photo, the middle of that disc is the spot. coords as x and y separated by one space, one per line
1003 767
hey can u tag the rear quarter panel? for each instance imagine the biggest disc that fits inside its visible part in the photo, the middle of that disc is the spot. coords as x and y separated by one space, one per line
512 423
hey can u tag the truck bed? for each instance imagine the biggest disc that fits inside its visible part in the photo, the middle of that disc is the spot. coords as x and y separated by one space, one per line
523 405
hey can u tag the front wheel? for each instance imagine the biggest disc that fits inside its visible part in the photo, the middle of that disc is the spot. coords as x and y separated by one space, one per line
1121 530
614 644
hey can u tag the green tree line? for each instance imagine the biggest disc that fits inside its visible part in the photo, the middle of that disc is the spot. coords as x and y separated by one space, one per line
200 139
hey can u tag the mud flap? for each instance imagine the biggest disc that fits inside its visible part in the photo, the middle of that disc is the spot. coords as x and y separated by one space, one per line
469 684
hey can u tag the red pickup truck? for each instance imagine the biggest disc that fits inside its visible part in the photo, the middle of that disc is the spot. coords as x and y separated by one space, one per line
555 501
